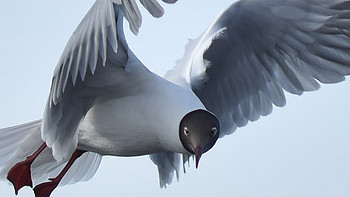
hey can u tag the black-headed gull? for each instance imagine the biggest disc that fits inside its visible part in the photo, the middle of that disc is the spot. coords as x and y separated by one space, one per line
99 84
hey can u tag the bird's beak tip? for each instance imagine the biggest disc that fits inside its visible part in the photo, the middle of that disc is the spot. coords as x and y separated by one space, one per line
198 153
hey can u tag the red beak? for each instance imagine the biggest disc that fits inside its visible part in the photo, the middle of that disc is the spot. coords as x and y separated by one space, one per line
198 153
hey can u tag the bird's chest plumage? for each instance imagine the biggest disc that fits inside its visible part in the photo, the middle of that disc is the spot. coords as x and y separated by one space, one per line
137 124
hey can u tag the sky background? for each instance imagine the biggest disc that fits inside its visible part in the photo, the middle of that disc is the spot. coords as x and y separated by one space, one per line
300 150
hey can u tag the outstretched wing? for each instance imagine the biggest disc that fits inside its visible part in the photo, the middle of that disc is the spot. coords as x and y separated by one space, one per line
257 49
92 64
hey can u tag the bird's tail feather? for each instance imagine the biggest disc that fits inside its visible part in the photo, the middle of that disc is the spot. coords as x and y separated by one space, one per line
12 137
18 142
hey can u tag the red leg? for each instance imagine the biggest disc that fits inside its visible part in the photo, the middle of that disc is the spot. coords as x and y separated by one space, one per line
19 175
45 189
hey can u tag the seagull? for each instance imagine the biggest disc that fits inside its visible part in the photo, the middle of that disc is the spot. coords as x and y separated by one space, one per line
104 101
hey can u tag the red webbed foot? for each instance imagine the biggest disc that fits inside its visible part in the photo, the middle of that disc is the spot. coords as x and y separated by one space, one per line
20 175
45 189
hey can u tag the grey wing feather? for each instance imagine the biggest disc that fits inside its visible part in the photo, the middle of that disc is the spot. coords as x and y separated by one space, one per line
133 14
168 164
258 48
88 42
169 1
89 63
153 7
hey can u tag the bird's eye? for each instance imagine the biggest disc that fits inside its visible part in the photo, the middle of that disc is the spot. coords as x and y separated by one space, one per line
213 131
186 131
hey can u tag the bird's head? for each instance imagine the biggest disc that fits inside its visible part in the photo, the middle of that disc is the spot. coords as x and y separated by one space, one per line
199 130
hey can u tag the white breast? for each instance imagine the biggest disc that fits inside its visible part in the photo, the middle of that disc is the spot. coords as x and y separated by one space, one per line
139 124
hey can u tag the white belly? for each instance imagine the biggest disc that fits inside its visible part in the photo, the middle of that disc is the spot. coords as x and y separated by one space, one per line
137 125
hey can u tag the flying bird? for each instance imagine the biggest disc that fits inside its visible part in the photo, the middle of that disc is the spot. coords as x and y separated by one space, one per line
104 101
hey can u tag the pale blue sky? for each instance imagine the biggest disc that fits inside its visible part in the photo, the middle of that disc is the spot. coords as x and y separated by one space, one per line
299 150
